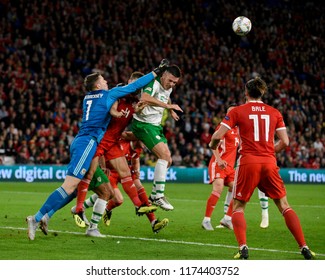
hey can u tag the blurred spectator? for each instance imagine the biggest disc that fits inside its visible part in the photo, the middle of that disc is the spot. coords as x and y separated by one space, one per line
206 135
319 147
177 158
43 63
150 160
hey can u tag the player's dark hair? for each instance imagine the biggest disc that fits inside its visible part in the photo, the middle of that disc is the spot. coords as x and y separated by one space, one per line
256 87
231 105
90 80
174 70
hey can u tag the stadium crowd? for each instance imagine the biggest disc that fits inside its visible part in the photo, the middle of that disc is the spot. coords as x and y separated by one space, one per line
48 47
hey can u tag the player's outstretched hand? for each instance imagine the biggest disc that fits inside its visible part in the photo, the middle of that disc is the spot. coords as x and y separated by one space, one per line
162 67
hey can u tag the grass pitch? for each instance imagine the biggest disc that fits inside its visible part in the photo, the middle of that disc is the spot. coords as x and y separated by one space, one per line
130 237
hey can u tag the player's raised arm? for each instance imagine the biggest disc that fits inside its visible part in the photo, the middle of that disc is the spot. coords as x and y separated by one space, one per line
144 80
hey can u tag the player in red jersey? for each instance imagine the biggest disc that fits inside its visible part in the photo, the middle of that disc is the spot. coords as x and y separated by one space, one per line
132 151
258 123
221 172
122 112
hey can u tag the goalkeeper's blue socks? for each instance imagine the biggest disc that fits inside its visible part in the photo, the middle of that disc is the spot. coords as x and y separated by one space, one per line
54 202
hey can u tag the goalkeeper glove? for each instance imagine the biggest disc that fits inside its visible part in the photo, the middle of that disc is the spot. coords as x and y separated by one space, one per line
162 67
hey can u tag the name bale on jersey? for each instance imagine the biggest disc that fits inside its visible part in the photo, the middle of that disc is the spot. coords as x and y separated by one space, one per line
258 109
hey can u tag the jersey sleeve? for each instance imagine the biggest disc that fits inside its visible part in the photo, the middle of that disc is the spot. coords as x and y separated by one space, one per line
149 88
230 119
280 125
119 92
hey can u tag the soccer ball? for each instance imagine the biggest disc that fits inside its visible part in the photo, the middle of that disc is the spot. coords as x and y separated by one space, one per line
241 26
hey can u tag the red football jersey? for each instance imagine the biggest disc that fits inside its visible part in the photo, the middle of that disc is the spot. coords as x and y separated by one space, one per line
118 125
228 146
257 123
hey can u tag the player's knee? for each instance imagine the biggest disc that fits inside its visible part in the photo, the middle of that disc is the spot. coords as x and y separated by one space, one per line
119 201
282 204
167 157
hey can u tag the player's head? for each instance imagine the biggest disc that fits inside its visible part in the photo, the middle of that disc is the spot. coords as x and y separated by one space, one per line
255 88
170 77
95 81
230 107
134 76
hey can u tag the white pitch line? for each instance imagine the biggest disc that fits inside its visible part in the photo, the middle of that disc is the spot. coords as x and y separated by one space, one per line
176 199
172 241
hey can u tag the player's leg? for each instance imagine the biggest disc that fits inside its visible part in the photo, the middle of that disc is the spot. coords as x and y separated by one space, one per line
116 201
243 189
121 166
293 224
275 189
78 214
156 224
90 201
217 187
226 221
43 224
144 198
161 150
239 225
84 185
228 200
154 139
56 200
264 202
104 192
229 181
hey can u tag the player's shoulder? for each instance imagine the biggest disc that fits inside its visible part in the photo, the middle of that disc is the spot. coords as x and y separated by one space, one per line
272 109
150 86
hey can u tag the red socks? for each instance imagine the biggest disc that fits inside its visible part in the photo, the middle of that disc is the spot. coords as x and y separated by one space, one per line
239 224
144 199
131 191
211 203
82 193
293 224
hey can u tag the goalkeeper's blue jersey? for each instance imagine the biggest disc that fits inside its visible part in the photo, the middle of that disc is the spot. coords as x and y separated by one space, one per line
97 104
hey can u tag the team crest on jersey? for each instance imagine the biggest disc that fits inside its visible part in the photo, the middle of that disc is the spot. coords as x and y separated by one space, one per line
99 179
83 171
158 137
